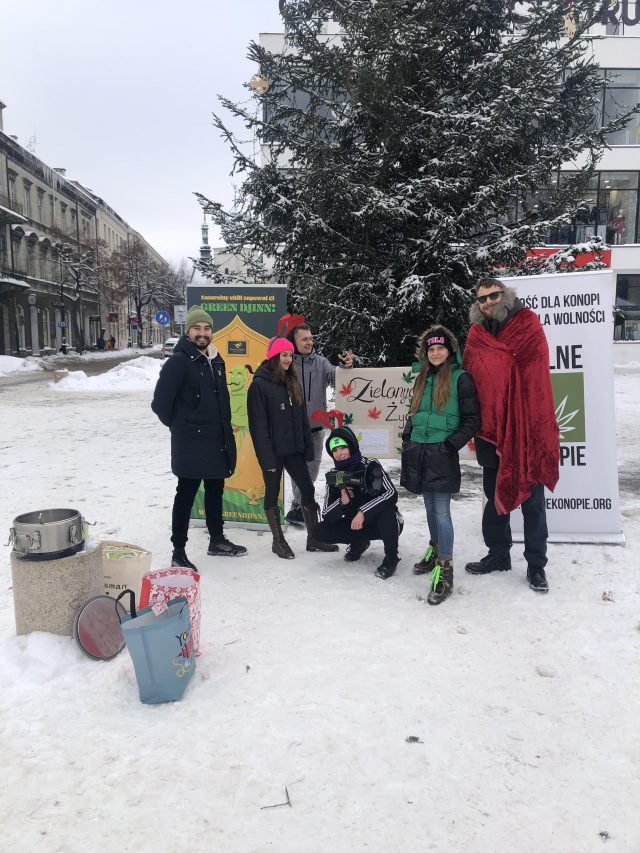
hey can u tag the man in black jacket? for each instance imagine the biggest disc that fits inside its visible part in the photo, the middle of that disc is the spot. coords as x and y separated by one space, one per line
192 399
356 515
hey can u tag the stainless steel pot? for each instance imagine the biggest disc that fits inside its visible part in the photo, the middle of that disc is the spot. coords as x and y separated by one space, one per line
47 534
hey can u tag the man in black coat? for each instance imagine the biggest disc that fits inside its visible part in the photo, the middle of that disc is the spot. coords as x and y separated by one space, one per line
192 399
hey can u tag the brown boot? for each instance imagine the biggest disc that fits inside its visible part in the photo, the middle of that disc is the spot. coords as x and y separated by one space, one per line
280 546
310 514
441 582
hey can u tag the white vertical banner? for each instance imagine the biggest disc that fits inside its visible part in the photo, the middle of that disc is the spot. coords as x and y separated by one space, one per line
575 310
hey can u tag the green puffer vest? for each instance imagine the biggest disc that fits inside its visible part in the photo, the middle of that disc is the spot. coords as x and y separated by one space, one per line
430 426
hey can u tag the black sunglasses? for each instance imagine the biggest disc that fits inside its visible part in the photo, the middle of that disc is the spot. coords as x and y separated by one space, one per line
492 296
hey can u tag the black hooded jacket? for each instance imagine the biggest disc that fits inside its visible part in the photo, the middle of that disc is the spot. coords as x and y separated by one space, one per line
278 426
192 399
370 505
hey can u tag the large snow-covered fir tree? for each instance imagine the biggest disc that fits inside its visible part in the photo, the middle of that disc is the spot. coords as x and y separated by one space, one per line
399 152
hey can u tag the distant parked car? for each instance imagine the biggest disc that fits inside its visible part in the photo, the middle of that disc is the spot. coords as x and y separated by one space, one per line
167 347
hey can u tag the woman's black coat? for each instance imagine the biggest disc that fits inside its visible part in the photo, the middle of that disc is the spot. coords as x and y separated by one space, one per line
278 426
192 399
435 467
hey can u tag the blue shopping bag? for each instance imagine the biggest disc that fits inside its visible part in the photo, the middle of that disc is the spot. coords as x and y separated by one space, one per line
161 648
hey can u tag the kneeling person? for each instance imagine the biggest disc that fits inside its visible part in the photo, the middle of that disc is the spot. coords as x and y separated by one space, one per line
356 514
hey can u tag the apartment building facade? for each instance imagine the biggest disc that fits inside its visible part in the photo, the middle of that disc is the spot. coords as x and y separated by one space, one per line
56 240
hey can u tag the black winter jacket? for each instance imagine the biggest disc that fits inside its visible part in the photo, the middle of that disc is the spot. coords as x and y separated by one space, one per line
370 505
278 426
192 399
435 467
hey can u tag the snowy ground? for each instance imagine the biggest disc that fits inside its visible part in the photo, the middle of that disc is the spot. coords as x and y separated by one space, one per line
313 675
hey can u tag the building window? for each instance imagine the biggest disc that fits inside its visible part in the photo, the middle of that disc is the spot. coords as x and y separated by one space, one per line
31 264
40 197
3 251
620 93
46 328
627 324
22 334
12 189
26 188
43 261
608 209
63 215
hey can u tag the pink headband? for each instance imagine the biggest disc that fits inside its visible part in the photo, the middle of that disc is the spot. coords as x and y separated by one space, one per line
278 345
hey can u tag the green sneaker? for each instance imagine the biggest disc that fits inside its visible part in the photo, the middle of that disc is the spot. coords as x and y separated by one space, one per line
428 560
441 583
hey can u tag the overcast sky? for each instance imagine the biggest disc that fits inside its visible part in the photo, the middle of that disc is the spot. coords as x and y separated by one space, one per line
121 95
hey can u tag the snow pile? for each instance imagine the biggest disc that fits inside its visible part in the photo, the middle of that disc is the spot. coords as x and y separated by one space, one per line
135 375
104 355
10 364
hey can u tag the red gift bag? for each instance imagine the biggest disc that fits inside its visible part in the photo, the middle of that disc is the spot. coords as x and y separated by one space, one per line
166 584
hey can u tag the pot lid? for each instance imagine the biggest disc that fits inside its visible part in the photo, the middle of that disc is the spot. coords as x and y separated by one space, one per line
96 627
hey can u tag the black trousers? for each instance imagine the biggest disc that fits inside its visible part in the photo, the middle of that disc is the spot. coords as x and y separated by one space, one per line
296 468
496 529
186 492
384 526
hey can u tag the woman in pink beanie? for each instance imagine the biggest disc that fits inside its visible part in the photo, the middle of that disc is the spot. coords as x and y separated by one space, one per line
279 427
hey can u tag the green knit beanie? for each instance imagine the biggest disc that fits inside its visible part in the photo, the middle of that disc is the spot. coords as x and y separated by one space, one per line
195 314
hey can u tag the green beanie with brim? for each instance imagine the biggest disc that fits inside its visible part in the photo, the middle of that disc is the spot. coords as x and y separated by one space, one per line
196 315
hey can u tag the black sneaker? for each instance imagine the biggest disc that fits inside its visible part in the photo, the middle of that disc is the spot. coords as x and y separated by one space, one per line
221 547
387 567
489 564
537 580
355 551
179 558
295 517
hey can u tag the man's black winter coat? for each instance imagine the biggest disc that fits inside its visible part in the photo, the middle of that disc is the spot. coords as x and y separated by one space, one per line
278 426
192 399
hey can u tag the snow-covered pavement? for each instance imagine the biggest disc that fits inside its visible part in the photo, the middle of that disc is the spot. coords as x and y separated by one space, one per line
314 674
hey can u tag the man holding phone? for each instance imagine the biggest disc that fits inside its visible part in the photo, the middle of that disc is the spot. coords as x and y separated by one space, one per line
316 373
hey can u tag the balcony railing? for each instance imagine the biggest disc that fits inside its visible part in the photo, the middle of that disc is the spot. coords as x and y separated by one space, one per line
5 201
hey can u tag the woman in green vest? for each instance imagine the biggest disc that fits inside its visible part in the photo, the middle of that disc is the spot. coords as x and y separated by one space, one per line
444 415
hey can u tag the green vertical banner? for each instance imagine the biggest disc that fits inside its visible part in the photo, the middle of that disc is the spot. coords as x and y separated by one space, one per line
243 319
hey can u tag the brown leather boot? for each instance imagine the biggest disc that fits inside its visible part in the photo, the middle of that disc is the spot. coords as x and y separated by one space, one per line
280 546
441 582
310 514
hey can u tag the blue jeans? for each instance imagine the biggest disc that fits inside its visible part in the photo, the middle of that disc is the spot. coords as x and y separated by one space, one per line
438 506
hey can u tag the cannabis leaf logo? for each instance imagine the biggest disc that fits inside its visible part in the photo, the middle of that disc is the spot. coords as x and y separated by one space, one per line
408 377
346 390
374 413
348 419
565 418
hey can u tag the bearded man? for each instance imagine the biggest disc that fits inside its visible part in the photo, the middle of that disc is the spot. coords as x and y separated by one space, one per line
517 444
192 399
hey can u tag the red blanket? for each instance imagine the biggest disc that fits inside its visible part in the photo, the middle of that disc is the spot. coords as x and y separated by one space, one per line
517 412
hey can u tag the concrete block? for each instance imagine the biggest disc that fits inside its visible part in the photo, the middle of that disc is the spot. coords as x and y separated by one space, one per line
47 593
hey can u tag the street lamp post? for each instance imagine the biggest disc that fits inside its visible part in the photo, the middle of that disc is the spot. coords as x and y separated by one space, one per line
63 339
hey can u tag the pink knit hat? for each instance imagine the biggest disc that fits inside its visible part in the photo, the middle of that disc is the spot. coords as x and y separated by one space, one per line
278 345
